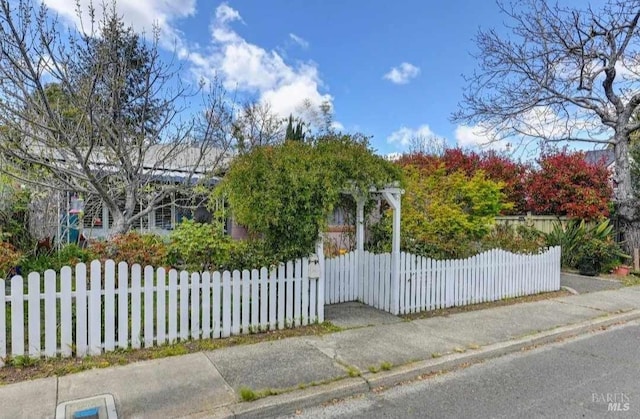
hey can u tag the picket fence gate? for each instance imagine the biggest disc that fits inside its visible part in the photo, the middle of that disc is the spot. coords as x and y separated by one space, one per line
117 306
428 284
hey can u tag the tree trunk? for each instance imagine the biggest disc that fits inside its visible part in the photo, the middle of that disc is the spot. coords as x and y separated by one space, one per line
625 203
119 225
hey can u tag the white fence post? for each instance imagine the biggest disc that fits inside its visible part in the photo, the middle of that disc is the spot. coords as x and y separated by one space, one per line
161 313
149 312
206 304
123 305
109 305
319 304
33 314
17 317
51 315
81 309
136 306
3 321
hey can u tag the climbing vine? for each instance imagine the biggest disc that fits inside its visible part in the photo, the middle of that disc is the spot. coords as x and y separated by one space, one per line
284 193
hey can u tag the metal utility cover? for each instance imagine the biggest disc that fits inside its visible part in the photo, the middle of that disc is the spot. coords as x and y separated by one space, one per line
105 404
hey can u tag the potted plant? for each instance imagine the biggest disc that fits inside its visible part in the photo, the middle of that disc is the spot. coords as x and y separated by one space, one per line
622 270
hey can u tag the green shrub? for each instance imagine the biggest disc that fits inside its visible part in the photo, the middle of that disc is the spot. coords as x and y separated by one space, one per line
574 240
521 239
379 240
36 263
443 215
250 254
594 255
71 255
199 247
9 259
132 247
14 214
286 192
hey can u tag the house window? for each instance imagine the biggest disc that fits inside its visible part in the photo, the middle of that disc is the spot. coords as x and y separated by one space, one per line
141 223
164 214
93 213
339 217
192 208
183 208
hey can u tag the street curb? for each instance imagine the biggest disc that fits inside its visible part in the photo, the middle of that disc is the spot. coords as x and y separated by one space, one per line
449 362
288 403
569 289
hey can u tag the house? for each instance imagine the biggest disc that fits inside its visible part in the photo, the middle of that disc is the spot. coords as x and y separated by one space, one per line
67 214
605 156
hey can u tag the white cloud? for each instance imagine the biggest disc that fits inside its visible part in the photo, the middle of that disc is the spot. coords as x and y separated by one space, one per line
225 14
393 156
299 40
249 68
403 73
242 66
142 15
404 135
480 137
471 136
525 129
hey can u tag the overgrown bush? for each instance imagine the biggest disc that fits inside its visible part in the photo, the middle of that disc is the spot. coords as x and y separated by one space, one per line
443 215
521 239
284 193
594 255
9 259
132 247
69 255
14 214
585 244
566 184
251 254
199 246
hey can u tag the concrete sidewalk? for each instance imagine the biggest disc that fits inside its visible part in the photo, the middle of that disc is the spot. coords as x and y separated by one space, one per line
311 370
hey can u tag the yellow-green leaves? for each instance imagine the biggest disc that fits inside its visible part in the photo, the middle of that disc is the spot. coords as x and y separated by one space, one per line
443 215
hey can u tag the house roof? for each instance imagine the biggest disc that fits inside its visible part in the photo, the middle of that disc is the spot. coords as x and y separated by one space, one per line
605 156
186 159
159 159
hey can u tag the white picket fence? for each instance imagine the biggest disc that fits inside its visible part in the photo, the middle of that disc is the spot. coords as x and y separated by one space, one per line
117 306
372 287
428 284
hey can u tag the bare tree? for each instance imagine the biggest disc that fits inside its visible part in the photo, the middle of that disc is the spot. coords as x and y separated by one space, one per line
317 119
255 125
427 144
96 111
563 74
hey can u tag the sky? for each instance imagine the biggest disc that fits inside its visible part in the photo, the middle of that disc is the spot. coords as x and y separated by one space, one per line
390 70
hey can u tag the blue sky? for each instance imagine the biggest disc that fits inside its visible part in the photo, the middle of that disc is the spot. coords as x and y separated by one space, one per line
390 69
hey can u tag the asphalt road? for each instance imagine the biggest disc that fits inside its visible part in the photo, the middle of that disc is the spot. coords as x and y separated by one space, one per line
584 284
580 378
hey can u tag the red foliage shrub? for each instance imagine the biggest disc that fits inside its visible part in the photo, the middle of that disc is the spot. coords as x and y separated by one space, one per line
501 168
132 247
497 167
426 162
457 159
565 184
